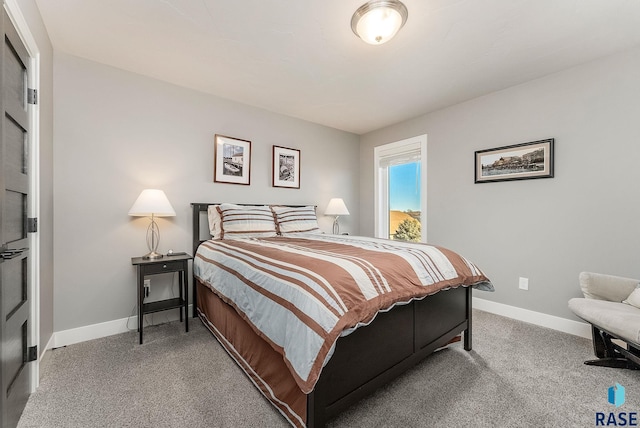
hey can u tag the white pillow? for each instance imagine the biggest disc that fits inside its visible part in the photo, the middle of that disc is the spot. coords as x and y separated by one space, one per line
214 221
634 298
296 220
246 221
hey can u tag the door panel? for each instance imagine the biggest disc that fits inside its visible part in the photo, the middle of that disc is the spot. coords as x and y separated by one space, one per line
14 216
13 73
16 379
14 280
14 199
16 148
15 361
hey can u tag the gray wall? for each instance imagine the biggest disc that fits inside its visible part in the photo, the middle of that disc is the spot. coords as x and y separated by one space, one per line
586 218
36 26
117 133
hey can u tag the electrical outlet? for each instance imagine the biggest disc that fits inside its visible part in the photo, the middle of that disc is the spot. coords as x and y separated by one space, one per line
523 283
147 287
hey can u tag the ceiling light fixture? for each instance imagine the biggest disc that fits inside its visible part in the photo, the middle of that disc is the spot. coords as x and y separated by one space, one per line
377 21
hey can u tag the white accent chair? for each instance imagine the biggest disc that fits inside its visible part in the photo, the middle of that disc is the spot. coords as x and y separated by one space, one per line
602 307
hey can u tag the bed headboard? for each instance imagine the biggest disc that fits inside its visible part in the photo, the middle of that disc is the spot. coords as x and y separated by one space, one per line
200 221
199 215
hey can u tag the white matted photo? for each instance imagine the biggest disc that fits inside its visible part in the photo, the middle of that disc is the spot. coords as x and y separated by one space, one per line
232 160
286 167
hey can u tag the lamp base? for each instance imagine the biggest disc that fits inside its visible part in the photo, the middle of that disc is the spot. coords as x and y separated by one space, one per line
152 256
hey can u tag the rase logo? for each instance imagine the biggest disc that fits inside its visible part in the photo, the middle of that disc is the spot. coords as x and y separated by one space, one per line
615 396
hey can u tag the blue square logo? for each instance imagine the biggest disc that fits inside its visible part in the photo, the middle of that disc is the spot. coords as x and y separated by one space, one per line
616 395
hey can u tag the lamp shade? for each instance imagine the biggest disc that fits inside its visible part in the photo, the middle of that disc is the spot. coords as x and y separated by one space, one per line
336 207
377 21
152 202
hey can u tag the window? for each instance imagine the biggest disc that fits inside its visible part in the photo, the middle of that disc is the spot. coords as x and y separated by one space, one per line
401 191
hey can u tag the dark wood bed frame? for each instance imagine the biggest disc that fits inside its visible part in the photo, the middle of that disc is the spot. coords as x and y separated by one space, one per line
373 355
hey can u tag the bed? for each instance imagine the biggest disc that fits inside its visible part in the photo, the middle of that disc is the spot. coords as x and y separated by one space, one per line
306 314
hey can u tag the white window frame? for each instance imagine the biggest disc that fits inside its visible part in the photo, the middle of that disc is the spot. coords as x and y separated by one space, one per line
381 183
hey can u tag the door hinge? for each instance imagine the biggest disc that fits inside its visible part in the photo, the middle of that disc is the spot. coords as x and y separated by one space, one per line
32 96
32 224
32 353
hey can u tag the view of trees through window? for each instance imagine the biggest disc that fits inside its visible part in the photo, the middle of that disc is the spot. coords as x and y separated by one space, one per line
404 202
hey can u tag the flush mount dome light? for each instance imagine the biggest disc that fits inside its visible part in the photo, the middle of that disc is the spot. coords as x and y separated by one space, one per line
377 21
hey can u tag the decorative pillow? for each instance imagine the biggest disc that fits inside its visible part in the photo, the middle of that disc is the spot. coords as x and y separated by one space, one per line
214 221
296 220
634 298
246 221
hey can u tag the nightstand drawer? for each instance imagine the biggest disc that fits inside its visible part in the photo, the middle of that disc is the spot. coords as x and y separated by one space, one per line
163 267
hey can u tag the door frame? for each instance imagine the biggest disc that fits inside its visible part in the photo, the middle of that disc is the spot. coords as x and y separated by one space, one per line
21 26
381 180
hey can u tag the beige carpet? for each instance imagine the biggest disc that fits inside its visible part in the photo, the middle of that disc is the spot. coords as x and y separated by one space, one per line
518 375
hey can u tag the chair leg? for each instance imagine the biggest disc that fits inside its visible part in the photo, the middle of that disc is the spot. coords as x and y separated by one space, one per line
616 363
608 355
599 346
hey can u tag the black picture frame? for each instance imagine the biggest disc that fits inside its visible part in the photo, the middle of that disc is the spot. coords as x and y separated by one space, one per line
232 160
286 167
516 162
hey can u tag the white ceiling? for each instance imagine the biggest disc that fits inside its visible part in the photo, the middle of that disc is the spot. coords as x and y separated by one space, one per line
300 57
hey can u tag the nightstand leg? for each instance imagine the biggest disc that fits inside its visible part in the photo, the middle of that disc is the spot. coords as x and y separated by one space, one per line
140 302
186 298
185 283
180 294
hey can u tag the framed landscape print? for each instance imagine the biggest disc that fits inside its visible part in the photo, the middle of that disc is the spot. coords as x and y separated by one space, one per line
232 160
517 162
286 167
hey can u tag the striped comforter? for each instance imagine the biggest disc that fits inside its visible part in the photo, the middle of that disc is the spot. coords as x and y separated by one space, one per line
300 294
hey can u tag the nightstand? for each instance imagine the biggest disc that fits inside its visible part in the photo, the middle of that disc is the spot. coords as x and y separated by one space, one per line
167 264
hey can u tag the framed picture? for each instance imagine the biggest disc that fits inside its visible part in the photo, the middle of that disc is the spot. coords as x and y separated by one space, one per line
286 167
517 162
232 160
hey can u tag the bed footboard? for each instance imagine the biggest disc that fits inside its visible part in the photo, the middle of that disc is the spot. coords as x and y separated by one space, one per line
407 333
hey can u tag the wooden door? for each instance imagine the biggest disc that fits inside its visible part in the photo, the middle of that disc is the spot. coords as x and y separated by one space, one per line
15 320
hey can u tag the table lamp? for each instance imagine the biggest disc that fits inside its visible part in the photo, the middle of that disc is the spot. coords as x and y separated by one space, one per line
152 203
336 208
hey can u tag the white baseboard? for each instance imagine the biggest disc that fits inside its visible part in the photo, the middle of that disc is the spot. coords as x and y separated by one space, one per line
549 321
104 329
96 331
